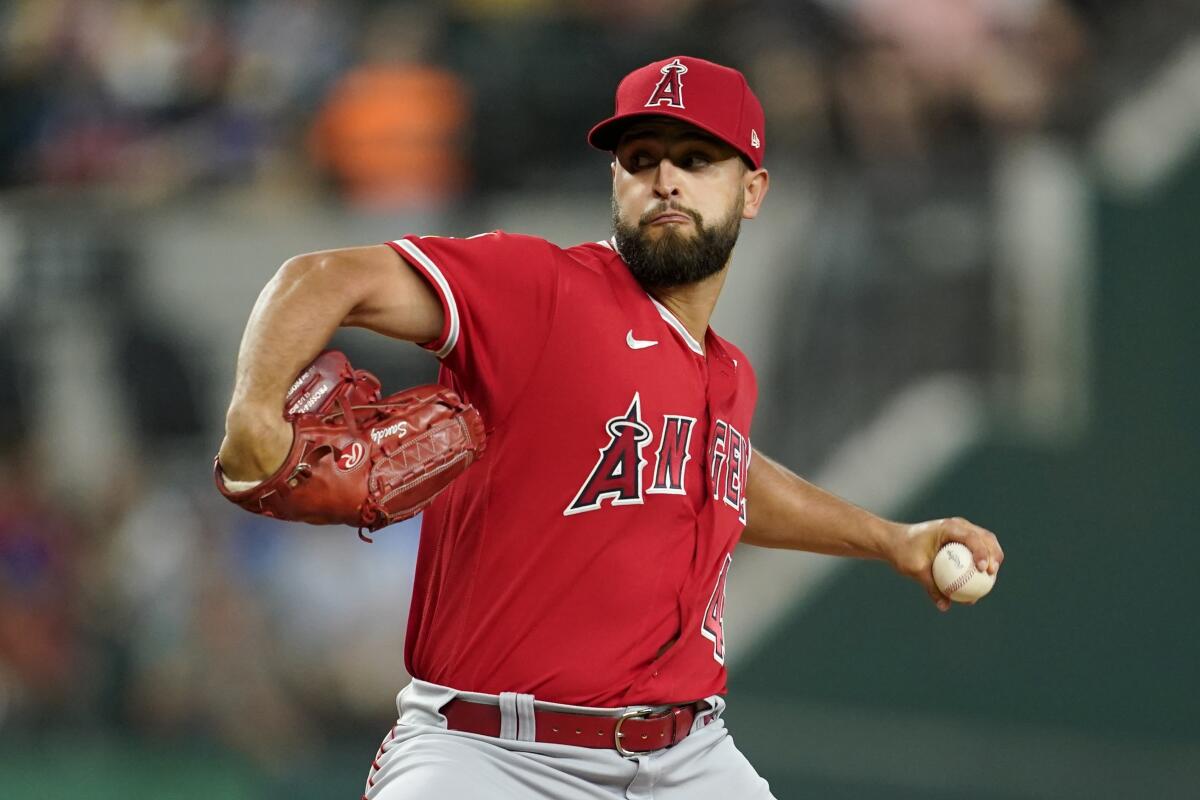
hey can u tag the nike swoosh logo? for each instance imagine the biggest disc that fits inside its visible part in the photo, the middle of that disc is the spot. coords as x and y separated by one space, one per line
638 344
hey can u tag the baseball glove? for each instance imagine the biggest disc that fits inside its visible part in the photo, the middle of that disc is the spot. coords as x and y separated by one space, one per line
361 460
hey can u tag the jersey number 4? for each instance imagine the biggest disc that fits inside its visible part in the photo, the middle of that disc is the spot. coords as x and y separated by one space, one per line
713 627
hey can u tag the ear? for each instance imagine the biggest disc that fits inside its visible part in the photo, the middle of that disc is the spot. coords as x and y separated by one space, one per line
754 185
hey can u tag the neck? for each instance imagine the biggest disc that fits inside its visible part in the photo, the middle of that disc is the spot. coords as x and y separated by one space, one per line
693 303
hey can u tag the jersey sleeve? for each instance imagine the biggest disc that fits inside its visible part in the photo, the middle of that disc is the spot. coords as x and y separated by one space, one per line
498 293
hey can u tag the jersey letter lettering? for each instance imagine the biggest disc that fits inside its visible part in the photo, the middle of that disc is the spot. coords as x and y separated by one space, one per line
729 463
618 472
673 453
715 469
733 483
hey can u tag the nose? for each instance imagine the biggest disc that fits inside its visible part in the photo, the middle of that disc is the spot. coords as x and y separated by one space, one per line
666 180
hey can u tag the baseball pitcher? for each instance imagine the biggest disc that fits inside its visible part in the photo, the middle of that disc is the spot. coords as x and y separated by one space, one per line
589 458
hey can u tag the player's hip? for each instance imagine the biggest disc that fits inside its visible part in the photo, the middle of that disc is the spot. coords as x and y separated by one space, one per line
523 718
424 755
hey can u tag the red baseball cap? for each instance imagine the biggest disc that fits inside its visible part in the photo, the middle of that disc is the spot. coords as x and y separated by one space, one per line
714 98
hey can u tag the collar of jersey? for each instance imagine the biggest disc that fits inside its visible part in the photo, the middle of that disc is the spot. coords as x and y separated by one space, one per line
674 322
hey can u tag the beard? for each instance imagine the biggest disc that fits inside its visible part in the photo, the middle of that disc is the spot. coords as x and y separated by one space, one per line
673 258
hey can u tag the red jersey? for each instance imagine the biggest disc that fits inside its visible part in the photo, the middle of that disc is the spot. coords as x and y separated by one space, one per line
583 558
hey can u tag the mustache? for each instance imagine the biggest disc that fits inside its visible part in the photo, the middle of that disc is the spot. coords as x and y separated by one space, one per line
663 208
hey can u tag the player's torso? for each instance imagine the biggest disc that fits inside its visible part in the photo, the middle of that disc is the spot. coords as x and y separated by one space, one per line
614 494
637 414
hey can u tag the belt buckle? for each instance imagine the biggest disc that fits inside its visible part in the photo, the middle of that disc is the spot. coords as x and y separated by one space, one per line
628 715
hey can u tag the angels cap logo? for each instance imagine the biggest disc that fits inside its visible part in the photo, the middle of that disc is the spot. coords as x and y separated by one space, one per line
669 90
351 457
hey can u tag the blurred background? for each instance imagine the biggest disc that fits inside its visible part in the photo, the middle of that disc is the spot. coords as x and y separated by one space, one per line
972 292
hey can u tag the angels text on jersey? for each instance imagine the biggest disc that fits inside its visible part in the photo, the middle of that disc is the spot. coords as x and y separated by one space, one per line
624 472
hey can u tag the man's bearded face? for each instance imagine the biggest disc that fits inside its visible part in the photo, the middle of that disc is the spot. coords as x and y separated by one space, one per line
670 255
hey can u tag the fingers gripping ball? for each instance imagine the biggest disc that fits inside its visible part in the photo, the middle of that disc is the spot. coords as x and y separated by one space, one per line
361 460
955 574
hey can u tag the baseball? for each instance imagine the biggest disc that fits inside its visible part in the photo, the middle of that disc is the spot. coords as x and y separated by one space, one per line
956 577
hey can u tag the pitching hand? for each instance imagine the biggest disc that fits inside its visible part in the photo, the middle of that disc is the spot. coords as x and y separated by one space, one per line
914 546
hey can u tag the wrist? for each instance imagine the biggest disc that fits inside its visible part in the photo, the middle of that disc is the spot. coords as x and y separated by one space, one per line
256 443
245 418
888 538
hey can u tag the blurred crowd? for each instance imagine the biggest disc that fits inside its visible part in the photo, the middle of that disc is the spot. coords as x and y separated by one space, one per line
389 104
164 611
137 599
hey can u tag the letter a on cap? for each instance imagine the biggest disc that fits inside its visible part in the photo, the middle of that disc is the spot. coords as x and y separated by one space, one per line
669 91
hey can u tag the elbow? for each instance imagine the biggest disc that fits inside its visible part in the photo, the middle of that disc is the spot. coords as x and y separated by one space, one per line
295 275
335 279
309 267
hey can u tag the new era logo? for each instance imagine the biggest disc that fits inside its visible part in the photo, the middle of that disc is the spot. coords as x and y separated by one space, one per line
754 139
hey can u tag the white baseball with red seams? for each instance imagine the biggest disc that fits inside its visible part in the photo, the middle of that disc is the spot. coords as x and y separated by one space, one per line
955 574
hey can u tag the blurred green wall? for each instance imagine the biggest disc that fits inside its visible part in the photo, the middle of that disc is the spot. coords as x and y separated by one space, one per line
1076 677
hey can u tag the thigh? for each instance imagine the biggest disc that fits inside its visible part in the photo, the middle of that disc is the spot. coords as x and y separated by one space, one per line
708 766
423 762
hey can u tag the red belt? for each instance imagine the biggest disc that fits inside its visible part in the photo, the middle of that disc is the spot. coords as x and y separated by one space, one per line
635 731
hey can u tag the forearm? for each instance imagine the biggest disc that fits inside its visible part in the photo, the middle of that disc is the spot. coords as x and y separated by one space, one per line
786 511
294 317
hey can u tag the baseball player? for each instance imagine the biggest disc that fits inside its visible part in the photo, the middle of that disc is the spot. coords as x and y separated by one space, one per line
566 635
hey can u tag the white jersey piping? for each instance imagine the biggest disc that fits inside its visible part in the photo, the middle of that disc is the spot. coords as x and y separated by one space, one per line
671 320
443 288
